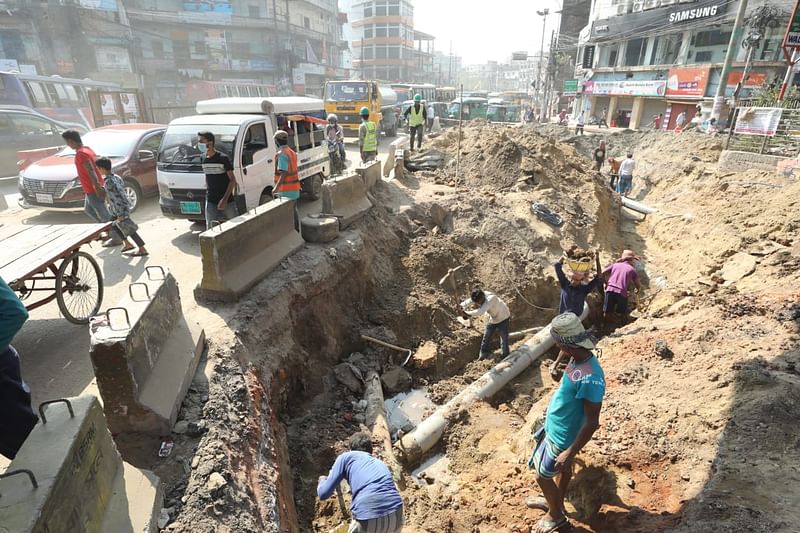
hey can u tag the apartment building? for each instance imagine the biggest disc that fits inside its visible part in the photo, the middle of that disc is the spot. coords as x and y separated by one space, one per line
641 58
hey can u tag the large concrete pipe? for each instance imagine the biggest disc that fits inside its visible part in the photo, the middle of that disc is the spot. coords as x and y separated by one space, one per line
411 447
636 206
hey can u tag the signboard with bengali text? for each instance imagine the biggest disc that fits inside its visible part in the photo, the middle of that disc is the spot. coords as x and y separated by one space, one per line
687 82
626 88
792 38
762 121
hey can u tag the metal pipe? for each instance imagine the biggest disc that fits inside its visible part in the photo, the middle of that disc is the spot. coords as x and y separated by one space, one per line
411 447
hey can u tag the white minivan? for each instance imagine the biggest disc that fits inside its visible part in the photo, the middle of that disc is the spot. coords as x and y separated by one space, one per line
244 129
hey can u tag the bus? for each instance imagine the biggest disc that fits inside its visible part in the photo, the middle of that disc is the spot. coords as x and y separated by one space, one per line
64 99
406 91
446 94
197 90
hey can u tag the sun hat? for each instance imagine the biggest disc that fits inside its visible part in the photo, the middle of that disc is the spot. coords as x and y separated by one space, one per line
567 329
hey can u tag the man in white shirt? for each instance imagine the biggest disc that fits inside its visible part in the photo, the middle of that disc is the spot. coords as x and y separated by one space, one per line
625 182
499 318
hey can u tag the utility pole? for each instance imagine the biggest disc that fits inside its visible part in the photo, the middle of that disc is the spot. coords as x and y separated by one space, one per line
733 50
539 87
551 68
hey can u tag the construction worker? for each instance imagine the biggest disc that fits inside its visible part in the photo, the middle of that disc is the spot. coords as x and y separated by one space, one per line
499 318
377 506
619 276
416 115
287 183
367 137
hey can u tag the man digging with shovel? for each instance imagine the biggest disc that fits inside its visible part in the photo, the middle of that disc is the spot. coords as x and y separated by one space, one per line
499 318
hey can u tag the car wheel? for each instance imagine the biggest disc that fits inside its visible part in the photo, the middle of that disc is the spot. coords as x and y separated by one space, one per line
134 193
266 196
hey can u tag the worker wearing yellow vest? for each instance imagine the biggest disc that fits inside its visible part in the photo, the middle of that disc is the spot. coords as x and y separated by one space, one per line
417 116
287 182
367 137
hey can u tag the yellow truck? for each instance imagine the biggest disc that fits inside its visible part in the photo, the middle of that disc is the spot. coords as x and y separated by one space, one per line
345 98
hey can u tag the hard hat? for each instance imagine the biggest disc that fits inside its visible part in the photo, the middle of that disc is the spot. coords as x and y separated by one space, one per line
281 135
364 112
417 97
333 118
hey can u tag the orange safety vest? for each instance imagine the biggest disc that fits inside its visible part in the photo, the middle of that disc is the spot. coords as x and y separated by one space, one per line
291 181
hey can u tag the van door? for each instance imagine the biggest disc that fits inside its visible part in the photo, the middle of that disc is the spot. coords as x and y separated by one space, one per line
257 161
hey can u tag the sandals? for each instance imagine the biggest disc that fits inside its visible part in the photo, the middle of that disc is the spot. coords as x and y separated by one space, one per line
548 526
536 502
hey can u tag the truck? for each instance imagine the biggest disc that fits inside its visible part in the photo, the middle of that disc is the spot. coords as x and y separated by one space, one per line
345 98
244 128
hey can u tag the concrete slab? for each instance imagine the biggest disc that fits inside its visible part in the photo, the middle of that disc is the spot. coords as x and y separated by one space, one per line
370 174
345 197
136 500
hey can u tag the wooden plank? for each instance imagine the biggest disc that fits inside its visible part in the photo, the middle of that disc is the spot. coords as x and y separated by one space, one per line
8 231
28 241
58 241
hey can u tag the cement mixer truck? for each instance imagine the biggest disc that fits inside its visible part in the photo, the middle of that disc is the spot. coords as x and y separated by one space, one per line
345 98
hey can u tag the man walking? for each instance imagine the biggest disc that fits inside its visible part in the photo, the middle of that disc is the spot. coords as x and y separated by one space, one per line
499 318
619 276
416 115
287 182
220 181
602 122
680 121
625 181
579 125
17 419
367 137
90 180
377 506
599 156
573 415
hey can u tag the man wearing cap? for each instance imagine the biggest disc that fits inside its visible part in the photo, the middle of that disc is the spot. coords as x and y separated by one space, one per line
619 276
287 183
499 318
573 415
416 115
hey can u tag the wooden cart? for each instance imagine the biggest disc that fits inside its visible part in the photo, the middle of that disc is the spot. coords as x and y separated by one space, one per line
47 259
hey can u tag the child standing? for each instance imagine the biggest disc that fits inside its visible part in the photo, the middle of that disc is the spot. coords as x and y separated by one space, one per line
120 209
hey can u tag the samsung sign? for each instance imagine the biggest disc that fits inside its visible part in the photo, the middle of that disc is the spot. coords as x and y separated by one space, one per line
694 14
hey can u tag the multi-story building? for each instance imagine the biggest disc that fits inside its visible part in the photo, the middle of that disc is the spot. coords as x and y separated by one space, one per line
447 68
385 45
642 58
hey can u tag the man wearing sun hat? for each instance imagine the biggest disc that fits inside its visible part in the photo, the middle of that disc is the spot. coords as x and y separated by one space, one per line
573 415
620 275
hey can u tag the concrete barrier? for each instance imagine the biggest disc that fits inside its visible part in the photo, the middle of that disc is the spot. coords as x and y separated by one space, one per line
241 252
735 161
144 355
345 197
401 143
81 483
370 174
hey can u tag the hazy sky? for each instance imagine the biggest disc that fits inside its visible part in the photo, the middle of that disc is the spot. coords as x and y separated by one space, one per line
487 30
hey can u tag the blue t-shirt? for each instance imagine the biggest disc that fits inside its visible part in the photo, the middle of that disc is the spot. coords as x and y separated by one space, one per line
374 492
573 298
565 416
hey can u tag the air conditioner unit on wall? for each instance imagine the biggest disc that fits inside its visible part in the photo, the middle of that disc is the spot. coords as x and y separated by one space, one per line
667 2
650 4
686 1
638 6
622 9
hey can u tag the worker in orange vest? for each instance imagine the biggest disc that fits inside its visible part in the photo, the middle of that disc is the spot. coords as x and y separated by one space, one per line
287 183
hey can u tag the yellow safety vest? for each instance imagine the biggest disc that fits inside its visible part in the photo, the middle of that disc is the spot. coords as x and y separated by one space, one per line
371 138
415 118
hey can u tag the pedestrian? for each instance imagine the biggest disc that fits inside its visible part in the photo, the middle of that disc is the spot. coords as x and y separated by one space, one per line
367 137
416 115
657 121
619 276
431 115
287 181
119 208
220 181
579 125
602 121
562 117
91 182
376 506
599 156
499 318
614 174
625 181
573 416
680 120
17 418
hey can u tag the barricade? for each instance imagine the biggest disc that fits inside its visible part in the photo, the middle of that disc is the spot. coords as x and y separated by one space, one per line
144 355
68 476
345 197
370 174
241 252
401 143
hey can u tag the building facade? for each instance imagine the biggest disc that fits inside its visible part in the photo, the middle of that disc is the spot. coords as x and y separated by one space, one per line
638 59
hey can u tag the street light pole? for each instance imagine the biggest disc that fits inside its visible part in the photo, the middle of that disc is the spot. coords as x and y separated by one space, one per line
542 14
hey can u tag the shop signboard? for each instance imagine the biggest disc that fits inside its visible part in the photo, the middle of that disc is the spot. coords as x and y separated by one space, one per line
754 79
687 82
639 23
761 121
626 88
792 38
570 88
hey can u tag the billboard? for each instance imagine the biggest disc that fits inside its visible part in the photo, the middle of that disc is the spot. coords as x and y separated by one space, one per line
570 87
754 79
792 38
761 121
687 82
626 88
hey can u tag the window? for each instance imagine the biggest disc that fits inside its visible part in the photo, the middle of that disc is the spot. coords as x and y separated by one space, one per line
33 126
634 52
255 139
394 7
152 143
394 30
307 23
199 48
369 30
368 11
37 94
769 50
712 38
704 56
81 92
72 94
654 51
393 52
380 52
380 10
254 11
367 52
180 49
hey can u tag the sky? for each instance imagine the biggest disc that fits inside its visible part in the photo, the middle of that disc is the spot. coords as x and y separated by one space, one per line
487 30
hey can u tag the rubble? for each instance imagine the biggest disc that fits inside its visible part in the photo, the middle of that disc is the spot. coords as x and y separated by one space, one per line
396 380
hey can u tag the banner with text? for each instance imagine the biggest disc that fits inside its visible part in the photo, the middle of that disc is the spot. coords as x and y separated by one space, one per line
687 82
758 121
626 88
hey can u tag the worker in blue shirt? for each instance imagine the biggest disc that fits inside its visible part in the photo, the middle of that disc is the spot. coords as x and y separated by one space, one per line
377 506
573 290
17 419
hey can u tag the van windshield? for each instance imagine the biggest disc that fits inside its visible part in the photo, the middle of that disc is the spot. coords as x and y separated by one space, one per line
179 148
350 91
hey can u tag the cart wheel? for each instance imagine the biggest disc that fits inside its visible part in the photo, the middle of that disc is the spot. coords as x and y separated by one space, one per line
79 287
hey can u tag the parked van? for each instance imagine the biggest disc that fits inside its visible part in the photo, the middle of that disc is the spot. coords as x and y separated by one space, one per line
244 129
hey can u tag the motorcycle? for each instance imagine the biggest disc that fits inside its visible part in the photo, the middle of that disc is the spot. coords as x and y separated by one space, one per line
335 156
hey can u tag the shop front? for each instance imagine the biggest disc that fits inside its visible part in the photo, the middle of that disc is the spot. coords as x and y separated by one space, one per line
626 103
